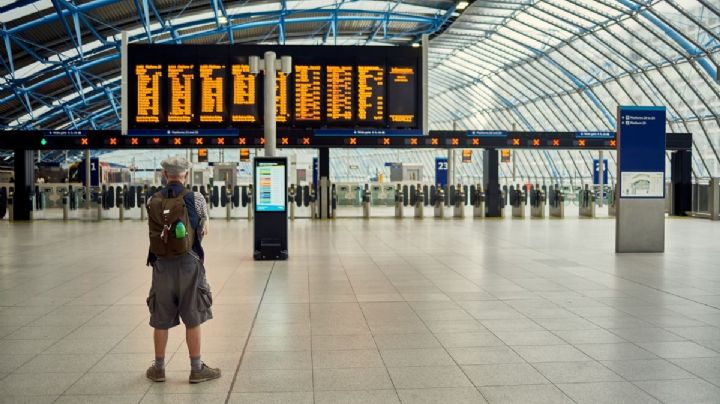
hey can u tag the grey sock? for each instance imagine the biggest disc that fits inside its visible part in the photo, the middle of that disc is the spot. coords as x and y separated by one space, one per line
160 363
195 364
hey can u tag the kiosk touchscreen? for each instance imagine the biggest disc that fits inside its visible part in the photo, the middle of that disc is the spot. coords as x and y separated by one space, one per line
270 224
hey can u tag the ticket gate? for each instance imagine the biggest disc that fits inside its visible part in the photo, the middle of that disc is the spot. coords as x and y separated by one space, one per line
518 200
556 199
477 200
418 200
439 202
399 198
333 201
291 201
587 202
459 202
612 201
537 202
366 201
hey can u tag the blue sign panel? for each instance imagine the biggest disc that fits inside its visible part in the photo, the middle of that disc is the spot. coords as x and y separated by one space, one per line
369 132
441 171
94 172
641 152
596 171
316 168
594 135
487 133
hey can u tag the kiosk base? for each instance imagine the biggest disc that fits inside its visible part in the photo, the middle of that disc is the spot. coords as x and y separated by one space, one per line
270 250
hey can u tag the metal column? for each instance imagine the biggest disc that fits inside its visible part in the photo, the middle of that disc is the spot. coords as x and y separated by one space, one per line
269 101
24 185
491 183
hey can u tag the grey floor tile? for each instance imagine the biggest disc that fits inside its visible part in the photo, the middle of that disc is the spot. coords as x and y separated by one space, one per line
623 351
18 384
271 398
342 342
707 368
351 379
596 336
650 369
503 375
607 392
44 399
61 363
116 383
428 376
468 339
484 355
682 391
551 353
646 334
217 398
576 372
406 341
100 398
357 397
678 349
529 338
276 360
357 358
273 380
457 395
416 357
527 394
279 344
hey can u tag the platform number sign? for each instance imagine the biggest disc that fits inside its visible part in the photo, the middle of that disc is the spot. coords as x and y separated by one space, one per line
441 170
94 172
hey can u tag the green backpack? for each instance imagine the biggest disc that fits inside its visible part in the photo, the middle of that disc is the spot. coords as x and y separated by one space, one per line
170 232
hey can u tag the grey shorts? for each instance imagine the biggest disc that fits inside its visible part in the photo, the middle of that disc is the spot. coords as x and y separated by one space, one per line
179 290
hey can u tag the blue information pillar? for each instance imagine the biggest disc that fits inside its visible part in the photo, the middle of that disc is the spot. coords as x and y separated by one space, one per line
640 219
441 171
596 171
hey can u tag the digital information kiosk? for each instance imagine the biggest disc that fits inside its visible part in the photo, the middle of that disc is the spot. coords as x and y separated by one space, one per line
271 222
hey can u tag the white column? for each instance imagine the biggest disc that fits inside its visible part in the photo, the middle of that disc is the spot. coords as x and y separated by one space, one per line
270 113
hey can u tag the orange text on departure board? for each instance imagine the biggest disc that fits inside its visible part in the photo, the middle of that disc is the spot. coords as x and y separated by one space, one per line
212 83
339 93
307 92
243 92
181 84
281 98
370 93
148 89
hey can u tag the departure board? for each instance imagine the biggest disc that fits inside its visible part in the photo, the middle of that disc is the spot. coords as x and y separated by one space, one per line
371 90
401 93
244 102
181 93
210 87
281 98
308 89
339 85
212 93
148 93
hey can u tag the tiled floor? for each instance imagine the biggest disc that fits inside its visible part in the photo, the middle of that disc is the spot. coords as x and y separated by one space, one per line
379 311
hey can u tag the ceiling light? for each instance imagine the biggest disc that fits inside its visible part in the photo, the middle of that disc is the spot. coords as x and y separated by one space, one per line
416 44
461 5
222 20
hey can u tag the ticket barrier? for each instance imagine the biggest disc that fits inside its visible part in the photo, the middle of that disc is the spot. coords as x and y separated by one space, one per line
537 202
612 201
518 200
556 199
291 201
366 201
587 202
333 201
399 198
477 200
439 202
459 202
418 200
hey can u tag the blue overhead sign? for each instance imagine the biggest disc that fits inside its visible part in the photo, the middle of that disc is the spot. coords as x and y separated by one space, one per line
594 135
641 152
441 171
487 133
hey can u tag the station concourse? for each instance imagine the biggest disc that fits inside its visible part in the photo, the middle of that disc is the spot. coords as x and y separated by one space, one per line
363 201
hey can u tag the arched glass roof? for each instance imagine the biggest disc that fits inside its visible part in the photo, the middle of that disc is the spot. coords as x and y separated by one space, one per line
547 65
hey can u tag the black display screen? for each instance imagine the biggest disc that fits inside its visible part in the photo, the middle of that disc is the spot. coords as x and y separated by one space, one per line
211 87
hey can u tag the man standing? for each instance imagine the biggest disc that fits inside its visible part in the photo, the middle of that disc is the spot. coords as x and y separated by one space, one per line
178 221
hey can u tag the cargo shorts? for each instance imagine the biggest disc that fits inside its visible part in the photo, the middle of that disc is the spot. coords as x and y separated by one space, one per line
179 291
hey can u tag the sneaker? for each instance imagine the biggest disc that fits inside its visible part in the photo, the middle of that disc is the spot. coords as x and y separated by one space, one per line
155 373
205 374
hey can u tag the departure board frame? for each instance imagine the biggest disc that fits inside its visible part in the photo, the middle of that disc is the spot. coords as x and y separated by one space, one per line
308 110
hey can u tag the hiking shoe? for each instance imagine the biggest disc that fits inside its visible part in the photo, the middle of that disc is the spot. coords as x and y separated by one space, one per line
205 374
155 373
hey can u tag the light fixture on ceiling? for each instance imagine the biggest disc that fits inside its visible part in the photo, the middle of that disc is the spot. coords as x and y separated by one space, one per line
222 20
461 5
416 44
